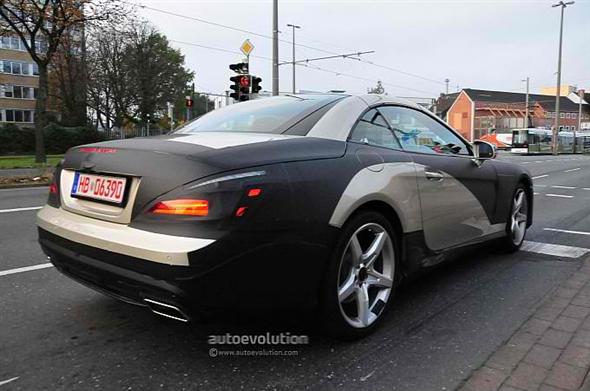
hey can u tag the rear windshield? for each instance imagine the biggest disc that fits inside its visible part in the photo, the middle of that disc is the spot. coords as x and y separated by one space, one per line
265 115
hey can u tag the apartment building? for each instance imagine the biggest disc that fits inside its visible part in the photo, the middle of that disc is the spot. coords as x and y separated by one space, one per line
18 82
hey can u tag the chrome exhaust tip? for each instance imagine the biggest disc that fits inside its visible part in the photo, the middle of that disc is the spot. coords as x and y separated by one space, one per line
166 310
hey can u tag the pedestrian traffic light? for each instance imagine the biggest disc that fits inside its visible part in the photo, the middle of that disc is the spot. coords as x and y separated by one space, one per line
241 67
256 84
235 87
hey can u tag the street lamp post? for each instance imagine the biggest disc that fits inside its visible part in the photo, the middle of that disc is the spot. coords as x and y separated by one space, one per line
526 108
293 26
275 47
558 92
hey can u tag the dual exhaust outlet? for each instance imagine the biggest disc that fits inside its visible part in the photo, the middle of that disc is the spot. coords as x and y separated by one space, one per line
166 310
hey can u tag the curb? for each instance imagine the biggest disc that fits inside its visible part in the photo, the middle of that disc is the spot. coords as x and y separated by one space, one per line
23 185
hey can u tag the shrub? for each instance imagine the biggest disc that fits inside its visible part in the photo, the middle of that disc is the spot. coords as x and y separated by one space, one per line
58 139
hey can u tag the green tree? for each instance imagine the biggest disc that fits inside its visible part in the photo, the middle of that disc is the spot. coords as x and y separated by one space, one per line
157 71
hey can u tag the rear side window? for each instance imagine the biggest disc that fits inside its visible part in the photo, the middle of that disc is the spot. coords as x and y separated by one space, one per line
372 129
268 115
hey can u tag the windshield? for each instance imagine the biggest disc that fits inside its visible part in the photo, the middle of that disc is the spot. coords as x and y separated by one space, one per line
519 137
266 115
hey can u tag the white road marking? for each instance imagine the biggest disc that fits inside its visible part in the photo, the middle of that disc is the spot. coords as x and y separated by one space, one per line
535 193
557 250
25 269
573 169
540 176
8 381
567 231
587 188
563 187
559 195
540 185
538 161
20 209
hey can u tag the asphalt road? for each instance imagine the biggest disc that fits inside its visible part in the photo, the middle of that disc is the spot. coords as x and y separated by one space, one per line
58 335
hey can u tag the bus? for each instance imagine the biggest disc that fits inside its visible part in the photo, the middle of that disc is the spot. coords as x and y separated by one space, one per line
540 141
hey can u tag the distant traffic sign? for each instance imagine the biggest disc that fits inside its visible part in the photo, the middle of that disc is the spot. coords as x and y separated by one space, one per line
247 47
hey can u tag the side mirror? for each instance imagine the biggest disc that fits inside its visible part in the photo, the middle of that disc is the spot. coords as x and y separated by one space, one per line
484 150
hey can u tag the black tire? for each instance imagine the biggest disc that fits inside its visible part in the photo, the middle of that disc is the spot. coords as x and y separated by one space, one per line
332 320
509 244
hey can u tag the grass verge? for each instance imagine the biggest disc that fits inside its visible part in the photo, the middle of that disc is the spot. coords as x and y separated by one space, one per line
7 162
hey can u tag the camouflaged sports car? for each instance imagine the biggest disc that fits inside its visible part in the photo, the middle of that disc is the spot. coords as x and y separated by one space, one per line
322 201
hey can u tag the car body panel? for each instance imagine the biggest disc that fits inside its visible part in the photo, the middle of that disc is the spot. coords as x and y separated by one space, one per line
467 209
392 183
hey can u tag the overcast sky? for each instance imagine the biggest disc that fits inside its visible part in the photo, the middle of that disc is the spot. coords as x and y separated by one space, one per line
478 44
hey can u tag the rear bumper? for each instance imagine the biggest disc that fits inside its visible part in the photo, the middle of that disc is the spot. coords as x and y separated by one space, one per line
119 238
242 270
128 279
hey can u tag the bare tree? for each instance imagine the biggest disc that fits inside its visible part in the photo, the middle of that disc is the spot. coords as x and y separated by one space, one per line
43 24
132 73
110 86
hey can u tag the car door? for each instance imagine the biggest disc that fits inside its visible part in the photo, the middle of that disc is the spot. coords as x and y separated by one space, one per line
457 196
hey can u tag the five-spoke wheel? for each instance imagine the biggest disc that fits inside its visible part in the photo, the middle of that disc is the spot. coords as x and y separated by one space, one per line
366 275
517 220
362 275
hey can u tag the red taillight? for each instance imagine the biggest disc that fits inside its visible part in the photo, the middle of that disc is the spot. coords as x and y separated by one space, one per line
53 188
241 211
182 207
254 192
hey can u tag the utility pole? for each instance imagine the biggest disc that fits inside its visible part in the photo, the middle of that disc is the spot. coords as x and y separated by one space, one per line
558 92
293 26
581 96
275 47
526 105
447 83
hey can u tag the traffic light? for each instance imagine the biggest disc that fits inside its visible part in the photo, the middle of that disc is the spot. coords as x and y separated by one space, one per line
235 87
244 88
256 84
241 67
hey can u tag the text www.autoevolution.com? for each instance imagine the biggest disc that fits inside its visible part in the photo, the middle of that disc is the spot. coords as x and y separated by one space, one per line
264 344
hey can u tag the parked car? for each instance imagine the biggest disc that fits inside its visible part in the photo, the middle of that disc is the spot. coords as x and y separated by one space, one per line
322 201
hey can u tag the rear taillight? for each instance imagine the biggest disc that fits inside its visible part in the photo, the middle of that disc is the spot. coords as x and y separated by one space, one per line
182 207
53 188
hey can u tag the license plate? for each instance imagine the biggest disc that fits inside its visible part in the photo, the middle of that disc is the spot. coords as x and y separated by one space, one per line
99 187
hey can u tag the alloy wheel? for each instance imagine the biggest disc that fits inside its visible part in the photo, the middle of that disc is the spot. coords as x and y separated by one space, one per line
366 275
518 217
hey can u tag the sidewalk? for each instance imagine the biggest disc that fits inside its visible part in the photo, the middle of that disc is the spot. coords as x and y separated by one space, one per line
18 172
550 351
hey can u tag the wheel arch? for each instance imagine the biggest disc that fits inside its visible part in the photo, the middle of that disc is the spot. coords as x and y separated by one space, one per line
386 210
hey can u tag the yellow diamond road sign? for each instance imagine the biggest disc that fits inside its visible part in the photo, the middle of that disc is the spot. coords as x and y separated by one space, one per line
247 47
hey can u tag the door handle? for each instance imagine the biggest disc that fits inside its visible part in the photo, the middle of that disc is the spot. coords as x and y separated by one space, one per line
434 175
